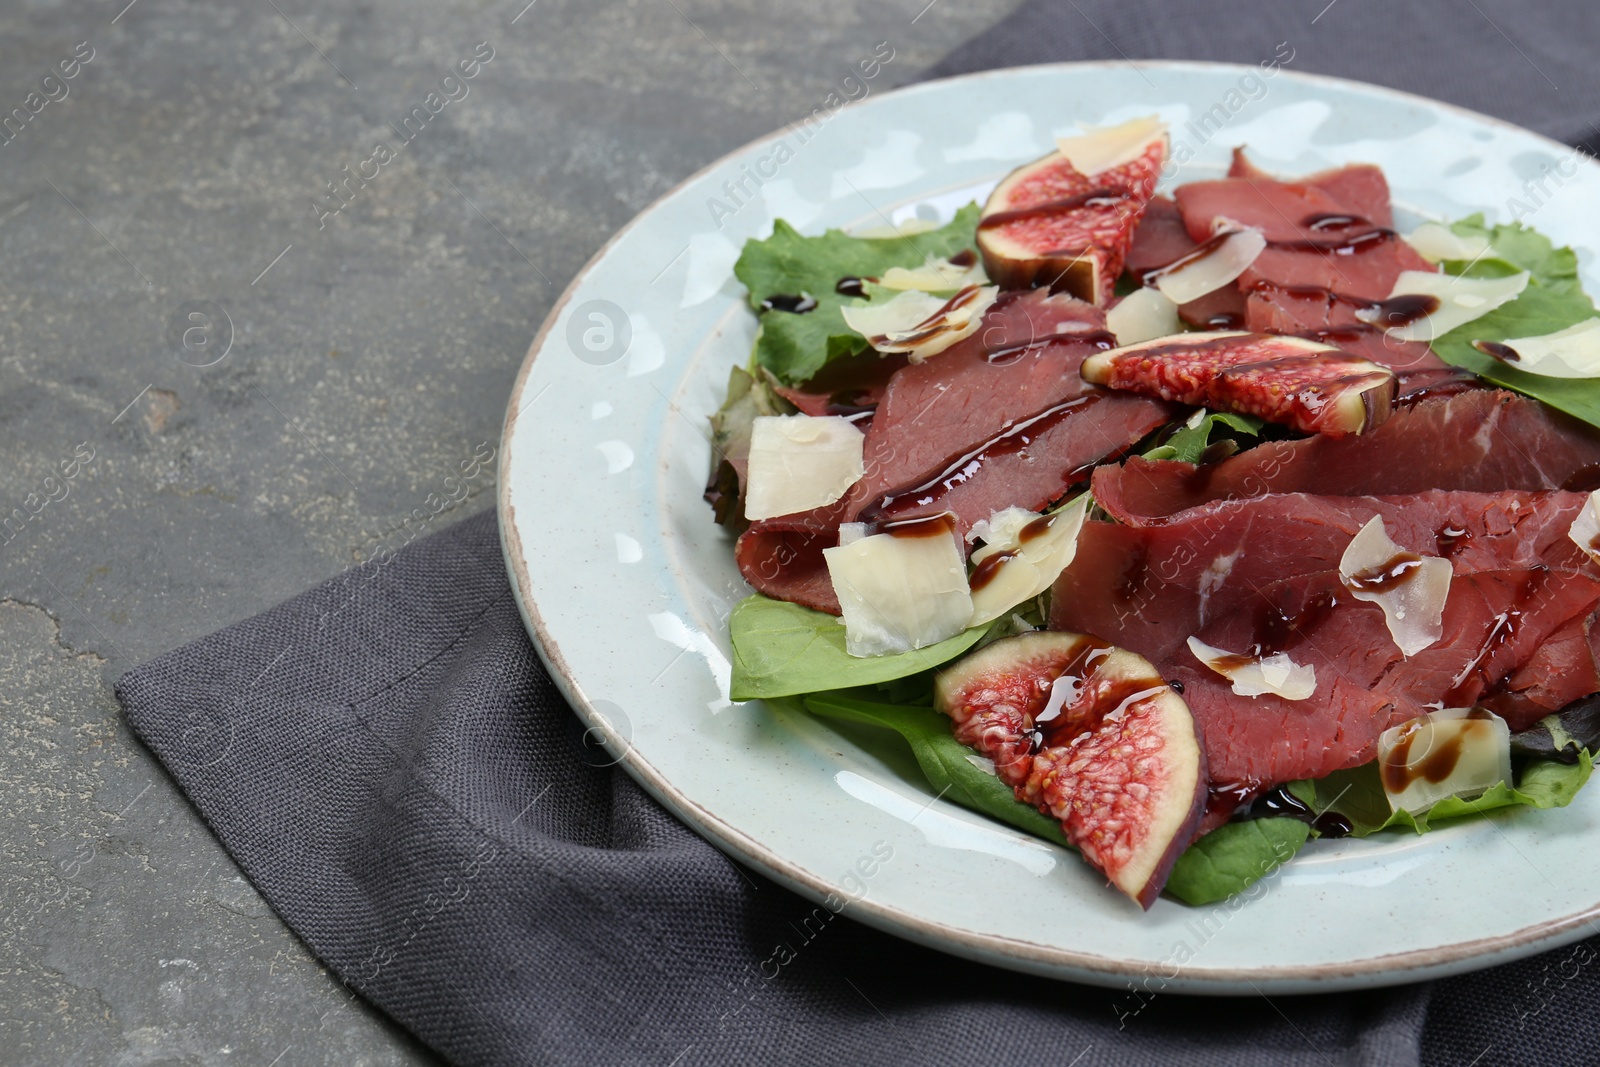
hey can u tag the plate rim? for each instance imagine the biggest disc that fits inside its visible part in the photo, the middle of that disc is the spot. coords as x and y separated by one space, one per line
992 949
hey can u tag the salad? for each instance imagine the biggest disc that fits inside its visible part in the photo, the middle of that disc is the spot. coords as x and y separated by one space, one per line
1177 530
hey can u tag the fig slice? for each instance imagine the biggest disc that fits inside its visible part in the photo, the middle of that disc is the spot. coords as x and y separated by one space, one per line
1293 381
1092 736
1049 224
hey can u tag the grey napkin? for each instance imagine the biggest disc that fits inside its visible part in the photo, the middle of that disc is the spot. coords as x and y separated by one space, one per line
388 761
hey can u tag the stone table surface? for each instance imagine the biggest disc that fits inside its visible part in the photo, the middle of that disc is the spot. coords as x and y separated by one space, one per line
172 196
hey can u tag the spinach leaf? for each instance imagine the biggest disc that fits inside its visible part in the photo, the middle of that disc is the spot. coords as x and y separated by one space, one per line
1553 300
947 763
783 649
1224 862
1358 795
1233 857
794 347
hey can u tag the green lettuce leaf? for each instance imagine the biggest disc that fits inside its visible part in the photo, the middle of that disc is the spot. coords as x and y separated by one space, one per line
1234 857
1553 300
943 759
782 649
1358 795
794 347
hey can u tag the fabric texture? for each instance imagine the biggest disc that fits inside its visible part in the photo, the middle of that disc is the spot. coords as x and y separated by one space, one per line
390 764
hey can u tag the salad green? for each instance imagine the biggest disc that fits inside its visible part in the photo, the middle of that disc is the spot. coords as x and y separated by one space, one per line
795 347
1553 300
796 656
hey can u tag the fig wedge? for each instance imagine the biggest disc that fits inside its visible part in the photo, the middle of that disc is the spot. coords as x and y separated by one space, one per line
1303 384
1092 736
993 695
1049 224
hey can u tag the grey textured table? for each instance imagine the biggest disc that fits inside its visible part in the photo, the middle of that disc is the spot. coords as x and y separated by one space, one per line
216 390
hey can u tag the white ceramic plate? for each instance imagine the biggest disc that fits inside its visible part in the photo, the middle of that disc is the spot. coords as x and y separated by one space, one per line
626 583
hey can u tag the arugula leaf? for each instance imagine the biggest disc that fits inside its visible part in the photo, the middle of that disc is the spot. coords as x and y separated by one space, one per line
1358 795
944 760
783 649
1553 300
1189 442
794 347
1233 857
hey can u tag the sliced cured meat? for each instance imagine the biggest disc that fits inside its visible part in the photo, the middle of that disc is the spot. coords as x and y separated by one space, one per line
1221 309
1332 248
782 557
1355 262
1319 315
852 386
1312 387
1483 441
1047 224
1360 188
1564 668
1159 584
1161 239
1260 576
1008 403
1492 622
1029 464
1277 209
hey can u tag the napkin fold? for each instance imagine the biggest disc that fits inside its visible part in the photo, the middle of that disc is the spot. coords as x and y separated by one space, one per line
389 763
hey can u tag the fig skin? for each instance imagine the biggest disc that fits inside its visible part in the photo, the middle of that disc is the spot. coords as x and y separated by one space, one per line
1118 762
1305 385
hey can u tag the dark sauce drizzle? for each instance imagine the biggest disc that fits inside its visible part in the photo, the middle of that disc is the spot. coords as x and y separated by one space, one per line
1397 770
1503 352
1101 339
1387 576
985 571
794 303
1281 802
1093 198
850 286
961 468
1451 539
1198 254
1405 309
1396 311
1075 715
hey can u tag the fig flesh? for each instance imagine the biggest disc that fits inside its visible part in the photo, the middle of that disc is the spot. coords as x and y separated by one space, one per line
1303 384
1049 224
1092 736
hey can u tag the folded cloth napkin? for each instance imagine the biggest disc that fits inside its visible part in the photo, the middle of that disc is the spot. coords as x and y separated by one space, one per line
388 761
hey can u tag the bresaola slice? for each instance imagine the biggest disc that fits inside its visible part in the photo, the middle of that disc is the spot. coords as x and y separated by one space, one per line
1331 249
1483 441
1162 240
1050 224
1260 577
1312 387
1091 735
1000 419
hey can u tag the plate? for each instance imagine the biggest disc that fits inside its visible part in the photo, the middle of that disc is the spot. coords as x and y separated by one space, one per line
626 583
